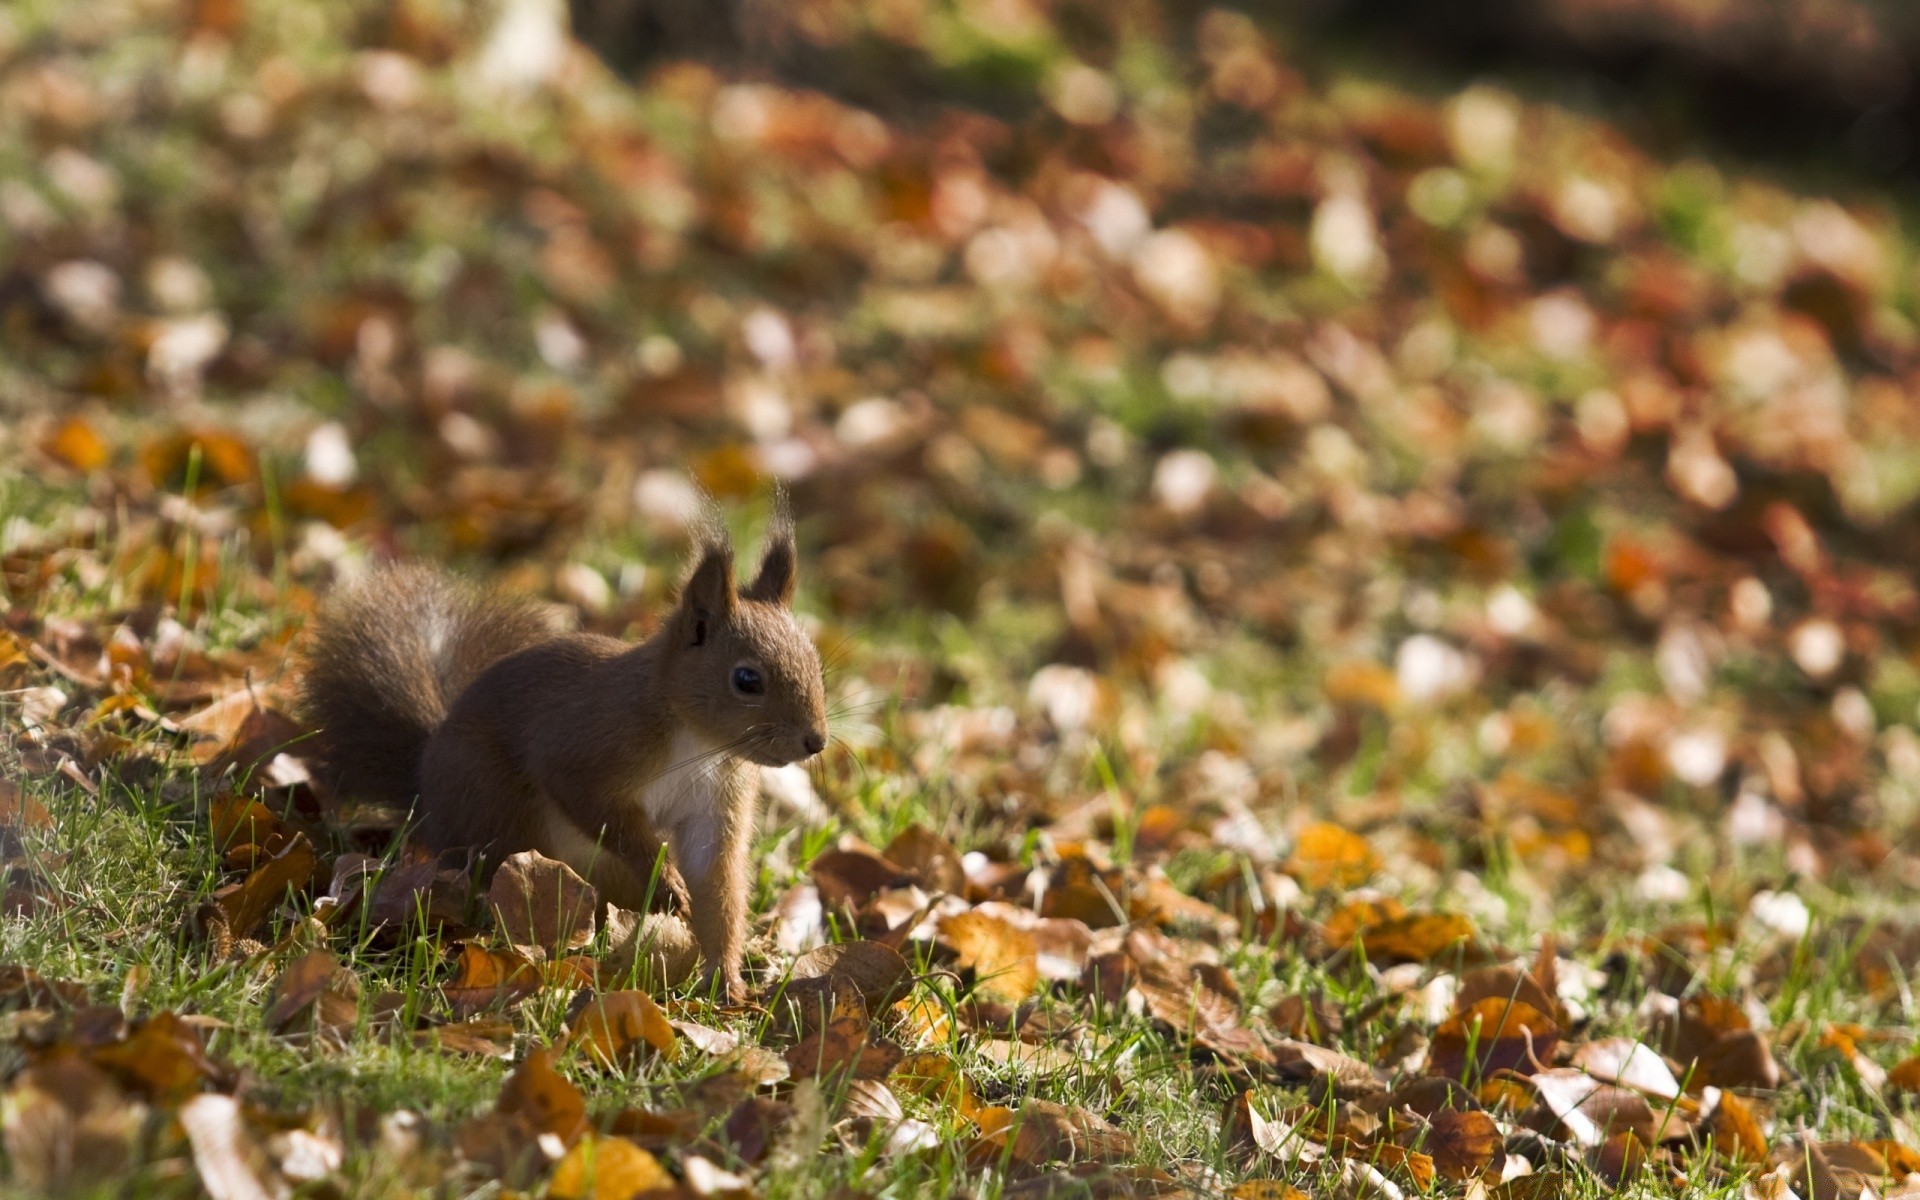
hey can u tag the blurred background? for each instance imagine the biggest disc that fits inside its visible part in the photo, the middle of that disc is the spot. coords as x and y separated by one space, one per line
1446 411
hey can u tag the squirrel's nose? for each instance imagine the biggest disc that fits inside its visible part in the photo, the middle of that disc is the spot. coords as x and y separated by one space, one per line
814 743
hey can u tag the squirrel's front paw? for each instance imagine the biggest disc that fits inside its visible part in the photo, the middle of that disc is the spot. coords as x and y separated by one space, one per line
726 987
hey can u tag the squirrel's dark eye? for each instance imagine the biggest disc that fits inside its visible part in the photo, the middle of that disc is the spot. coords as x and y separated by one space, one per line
747 681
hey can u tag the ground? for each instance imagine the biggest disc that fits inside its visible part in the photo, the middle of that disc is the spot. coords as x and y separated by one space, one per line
1370 628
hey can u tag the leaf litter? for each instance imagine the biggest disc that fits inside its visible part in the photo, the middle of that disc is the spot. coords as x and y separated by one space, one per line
1434 704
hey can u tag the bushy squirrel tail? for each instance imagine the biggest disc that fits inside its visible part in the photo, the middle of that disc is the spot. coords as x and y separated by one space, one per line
385 658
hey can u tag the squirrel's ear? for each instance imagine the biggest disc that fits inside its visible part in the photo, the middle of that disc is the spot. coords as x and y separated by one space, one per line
778 568
708 596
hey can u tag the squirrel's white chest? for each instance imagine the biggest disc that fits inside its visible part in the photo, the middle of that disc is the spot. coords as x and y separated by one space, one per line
685 802
688 787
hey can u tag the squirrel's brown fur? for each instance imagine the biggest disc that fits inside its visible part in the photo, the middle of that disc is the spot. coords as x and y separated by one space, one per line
505 736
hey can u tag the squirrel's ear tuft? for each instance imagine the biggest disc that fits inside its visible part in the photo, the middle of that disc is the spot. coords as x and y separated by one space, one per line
708 595
779 563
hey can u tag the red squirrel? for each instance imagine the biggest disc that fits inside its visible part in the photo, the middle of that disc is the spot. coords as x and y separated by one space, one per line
504 735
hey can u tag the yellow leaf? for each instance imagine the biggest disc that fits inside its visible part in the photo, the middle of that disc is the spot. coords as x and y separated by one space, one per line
606 1168
619 1025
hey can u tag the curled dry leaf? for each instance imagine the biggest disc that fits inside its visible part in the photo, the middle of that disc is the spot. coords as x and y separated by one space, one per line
1464 1145
1493 1035
755 1125
541 902
929 858
484 979
231 1163
67 1125
1002 956
1630 1064
1506 981
853 877
315 995
842 1044
481 1037
1417 937
874 970
1203 1008
1304 1061
535 1102
421 892
1265 1189
1736 1129
1042 1132
240 909
938 1079
616 1027
163 1059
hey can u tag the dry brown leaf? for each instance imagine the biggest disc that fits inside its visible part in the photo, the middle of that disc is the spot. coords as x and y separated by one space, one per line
853 877
929 858
538 1099
66 1126
316 995
873 969
1202 1007
241 908
482 1037
163 1059
230 1161
1506 981
1417 937
938 1079
1265 1189
1464 1145
77 444
1493 1035
420 891
1303 1061
755 1126
616 1027
1002 956
1043 1132
539 901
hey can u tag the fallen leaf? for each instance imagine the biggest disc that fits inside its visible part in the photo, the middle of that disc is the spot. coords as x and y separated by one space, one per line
1042 1132
616 1027
1417 937
1493 1035
231 1163
485 979
1303 1061
163 1059
1003 958
77 444
240 909
606 1168
1736 1130
929 858
541 902
1327 856
853 877
874 970
315 995
1464 1145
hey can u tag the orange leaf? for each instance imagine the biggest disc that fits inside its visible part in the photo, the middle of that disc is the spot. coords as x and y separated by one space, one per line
1004 958
617 1026
1327 856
